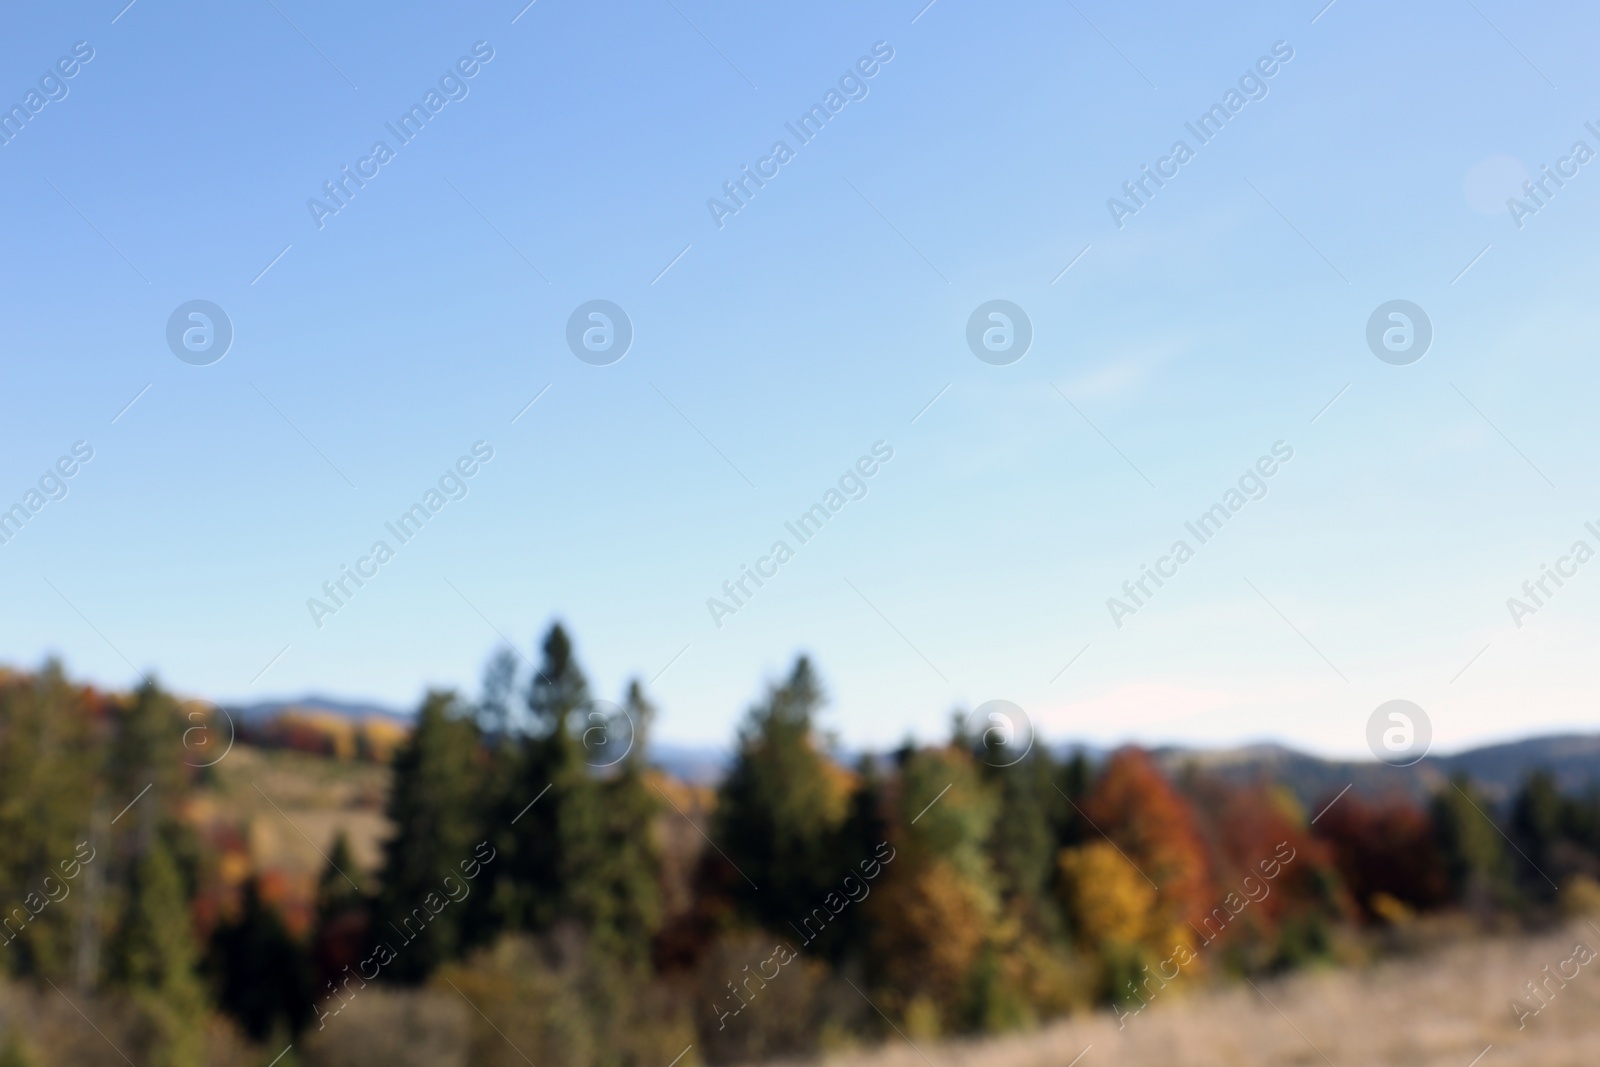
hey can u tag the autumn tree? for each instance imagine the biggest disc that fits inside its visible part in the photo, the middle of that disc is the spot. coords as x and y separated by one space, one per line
1385 850
1136 807
934 909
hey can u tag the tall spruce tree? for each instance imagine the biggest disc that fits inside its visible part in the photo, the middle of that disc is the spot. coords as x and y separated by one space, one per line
780 807
551 817
434 806
570 809
1541 820
341 926
153 956
860 839
48 764
1475 857
621 897
262 975
153 953
1022 845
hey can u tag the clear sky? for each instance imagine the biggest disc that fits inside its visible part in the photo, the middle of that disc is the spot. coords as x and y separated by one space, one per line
772 347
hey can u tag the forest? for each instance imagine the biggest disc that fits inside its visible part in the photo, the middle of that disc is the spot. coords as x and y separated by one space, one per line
593 910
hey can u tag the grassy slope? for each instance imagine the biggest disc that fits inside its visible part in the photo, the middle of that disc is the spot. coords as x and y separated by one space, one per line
315 797
1438 1010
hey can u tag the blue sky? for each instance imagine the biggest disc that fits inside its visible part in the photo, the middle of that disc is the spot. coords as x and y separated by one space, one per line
769 353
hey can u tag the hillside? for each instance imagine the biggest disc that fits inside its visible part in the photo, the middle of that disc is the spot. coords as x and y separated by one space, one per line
1497 770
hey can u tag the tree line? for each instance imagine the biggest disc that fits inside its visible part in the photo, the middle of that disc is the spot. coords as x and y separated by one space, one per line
540 864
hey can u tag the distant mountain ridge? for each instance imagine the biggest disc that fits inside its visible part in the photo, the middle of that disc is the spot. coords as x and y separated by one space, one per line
1498 769
267 710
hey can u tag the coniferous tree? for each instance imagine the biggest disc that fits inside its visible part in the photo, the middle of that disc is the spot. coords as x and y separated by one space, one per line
496 712
1474 853
551 818
48 764
622 904
863 832
1071 785
153 953
1541 823
496 900
153 956
1023 845
780 807
433 805
577 824
262 975
341 927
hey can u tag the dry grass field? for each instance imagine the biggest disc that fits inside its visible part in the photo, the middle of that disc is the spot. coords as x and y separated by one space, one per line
291 804
1439 1010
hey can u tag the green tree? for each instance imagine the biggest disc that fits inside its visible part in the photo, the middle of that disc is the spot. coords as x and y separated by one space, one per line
341 927
433 806
153 957
48 764
619 897
1023 847
1474 851
262 974
780 807
864 831
1541 818
152 863
545 809
576 824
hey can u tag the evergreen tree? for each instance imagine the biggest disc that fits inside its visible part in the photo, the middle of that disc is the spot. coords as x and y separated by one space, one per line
153 956
335 895
1474 853
620 899
1023 846
147 751
152 863
497 717
433 805
551 818
497 899
262 974
780 807
572 810
48 764
1541 818
1072 783
864 831
342 926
